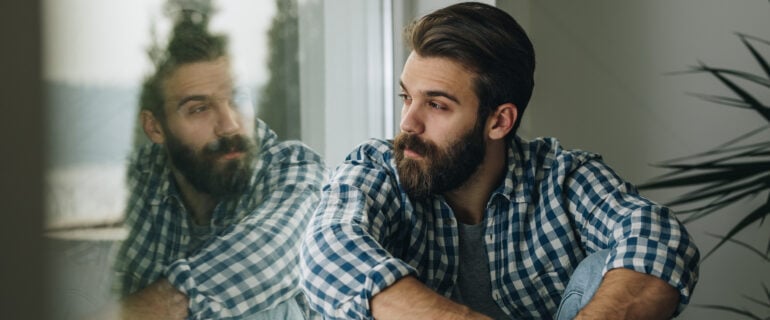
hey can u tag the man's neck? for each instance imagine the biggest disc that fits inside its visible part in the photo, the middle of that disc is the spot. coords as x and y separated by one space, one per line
199 205
469 200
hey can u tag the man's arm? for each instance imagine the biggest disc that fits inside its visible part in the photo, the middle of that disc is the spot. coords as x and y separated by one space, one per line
627 294
346 257
408 298
647 243
159 300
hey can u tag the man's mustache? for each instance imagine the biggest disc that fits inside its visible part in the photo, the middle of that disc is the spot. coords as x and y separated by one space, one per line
224 145
414 143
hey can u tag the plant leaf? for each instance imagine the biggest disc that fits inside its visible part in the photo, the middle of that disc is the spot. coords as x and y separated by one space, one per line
757 301
754 38
747 246
716 204
735 73
718 189
746 136
760 60
727 101
746 221
694 197
731 309
709 175
734 166
767 251
702 213
743 94
745 151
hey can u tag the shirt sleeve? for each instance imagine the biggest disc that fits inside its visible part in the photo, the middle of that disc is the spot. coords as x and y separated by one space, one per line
643 236
344 258
252 265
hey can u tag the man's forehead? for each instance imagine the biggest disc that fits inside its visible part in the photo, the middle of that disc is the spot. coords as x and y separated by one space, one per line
422 75
202 77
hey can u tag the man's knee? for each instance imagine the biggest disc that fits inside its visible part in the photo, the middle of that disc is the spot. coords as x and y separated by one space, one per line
582 284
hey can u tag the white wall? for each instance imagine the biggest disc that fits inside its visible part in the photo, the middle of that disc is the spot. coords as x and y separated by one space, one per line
601 85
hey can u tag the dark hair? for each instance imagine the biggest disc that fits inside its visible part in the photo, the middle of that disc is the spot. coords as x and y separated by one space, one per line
190 42
488 42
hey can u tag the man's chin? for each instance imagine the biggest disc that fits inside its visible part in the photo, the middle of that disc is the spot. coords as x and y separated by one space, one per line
231 181
413 178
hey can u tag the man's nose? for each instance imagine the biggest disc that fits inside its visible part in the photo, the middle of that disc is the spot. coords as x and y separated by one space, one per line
228 121
412 119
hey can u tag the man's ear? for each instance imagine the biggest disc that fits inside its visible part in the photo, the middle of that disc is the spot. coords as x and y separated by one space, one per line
152 127
501 121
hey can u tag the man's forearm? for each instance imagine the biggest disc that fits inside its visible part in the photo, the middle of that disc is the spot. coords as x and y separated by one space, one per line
627 294
160 300
408 298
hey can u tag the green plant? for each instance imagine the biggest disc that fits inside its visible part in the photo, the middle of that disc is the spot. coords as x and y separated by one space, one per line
733 172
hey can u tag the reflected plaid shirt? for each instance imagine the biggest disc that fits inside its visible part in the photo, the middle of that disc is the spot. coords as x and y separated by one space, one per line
553 208
250 265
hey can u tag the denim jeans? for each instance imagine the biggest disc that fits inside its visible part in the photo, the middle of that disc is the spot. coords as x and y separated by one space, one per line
582 285
289 310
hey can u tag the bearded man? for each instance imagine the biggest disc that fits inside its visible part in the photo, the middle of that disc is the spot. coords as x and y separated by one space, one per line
460 218
217 204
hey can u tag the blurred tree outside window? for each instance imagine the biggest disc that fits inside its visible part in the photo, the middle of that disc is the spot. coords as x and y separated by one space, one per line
279 104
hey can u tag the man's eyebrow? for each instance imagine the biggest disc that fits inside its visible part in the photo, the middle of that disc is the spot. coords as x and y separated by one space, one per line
435 93
190 98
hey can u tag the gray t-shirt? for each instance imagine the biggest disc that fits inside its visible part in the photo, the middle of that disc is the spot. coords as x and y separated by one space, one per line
474 285
198 236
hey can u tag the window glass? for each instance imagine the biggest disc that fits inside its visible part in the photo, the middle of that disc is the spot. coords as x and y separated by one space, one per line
322 72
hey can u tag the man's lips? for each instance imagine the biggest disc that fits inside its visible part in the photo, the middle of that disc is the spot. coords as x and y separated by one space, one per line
409 153
231 155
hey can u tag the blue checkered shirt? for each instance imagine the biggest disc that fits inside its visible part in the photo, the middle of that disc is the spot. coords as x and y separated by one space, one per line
553 208
250 265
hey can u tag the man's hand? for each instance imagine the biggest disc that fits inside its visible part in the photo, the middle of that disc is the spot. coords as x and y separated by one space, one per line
408 298
627 294
160 300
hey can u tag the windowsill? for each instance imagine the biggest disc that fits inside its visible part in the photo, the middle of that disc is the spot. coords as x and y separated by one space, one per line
85 197
89 234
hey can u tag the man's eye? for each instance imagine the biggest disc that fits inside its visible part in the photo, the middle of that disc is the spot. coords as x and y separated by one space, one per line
436 105
198 109
404 97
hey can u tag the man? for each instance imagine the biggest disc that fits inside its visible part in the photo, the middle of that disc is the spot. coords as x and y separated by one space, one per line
217 206
459 218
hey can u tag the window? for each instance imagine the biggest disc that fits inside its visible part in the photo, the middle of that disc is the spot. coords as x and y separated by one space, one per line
327 79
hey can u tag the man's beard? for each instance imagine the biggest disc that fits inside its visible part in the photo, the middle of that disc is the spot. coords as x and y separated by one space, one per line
439 170
205 174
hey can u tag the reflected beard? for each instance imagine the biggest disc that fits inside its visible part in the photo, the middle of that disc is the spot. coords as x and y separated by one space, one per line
440 170
204 173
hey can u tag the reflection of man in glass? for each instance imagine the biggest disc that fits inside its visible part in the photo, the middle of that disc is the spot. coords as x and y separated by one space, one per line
217 204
